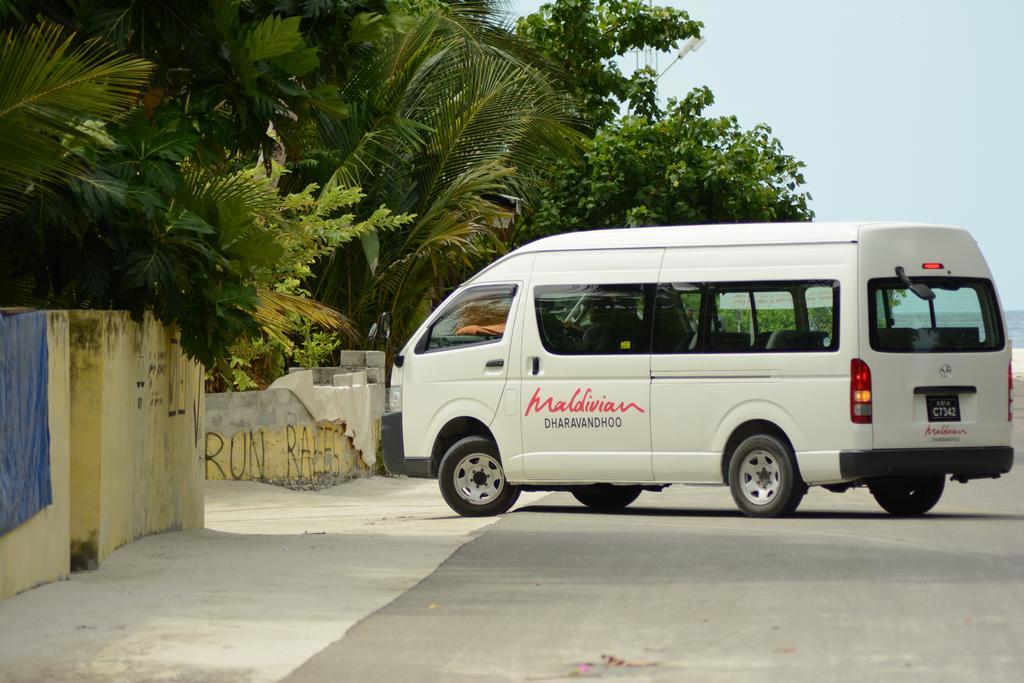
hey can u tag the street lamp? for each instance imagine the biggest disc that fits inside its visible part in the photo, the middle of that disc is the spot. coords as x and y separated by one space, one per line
691 44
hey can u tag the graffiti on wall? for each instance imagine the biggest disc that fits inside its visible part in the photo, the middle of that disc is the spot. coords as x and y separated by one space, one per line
167 379
307 451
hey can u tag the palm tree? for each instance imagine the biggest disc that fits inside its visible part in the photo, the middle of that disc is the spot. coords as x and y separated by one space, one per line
123 215
442 118
51 92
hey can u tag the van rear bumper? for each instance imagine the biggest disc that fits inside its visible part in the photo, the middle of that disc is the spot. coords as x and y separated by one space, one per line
967 462
393 444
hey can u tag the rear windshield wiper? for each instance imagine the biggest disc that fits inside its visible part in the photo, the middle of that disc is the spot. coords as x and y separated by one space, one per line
921 290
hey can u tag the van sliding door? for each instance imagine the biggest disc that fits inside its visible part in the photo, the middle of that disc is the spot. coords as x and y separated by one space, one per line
585 396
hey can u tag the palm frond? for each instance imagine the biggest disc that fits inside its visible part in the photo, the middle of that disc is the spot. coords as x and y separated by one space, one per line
443 117
275 311
49 87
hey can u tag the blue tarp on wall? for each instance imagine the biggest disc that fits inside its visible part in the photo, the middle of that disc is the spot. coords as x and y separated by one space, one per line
24 425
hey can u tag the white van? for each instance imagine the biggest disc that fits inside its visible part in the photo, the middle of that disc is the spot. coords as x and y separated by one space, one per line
766 357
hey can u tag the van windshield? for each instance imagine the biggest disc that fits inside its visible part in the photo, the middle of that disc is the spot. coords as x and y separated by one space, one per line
963 316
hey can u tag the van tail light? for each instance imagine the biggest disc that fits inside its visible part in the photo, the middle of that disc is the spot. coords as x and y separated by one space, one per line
860 392
1009 392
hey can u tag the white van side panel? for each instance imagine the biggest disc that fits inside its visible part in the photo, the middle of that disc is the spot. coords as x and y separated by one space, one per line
699 400
482 410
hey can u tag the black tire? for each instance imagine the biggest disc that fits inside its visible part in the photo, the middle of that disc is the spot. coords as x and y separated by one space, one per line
472 480
907 497
606 496
764 478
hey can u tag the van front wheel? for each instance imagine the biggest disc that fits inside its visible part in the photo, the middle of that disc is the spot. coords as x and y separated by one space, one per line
472 480
764 479
907 497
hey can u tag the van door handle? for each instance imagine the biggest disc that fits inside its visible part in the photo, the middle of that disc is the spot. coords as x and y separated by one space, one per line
534 365
496 363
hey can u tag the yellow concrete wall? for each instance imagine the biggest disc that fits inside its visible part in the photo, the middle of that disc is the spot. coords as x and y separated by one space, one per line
86 372
37 551
137 427
296 452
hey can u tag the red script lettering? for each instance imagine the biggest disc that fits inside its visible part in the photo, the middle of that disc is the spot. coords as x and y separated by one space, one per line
582 401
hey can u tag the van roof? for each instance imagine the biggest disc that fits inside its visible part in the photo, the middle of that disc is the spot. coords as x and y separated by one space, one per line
720 235
738 234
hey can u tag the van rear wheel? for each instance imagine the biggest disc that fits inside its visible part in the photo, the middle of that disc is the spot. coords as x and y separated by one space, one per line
606 496
764 479
908 497
472 480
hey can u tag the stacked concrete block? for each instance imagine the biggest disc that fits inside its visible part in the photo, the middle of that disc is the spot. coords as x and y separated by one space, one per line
373 371
355 368
352 359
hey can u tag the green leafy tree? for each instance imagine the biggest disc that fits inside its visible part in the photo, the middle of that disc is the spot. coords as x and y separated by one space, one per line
586 37
308 226
654 166
434 108
159 210
686 168
232 68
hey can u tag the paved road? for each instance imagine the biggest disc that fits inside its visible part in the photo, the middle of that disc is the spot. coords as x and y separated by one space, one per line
275 578
686 589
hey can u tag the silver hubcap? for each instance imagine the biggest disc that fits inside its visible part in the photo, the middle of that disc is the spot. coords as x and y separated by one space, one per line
478 478
760 477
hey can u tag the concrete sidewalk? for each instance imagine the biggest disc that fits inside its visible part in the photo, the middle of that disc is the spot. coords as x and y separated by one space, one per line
275 577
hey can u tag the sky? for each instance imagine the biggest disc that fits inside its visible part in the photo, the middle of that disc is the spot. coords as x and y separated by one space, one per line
903 110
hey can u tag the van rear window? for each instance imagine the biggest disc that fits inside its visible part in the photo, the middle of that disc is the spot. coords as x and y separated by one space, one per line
963 316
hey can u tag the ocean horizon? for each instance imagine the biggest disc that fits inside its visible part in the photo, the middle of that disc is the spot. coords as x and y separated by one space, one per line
1015 328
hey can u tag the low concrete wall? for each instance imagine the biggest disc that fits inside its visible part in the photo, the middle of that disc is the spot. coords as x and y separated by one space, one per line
270 436
37 551
295 431
137 423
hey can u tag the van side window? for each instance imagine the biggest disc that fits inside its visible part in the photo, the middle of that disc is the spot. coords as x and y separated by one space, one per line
732 322
776 311
773 317
820 312
592 319
475 316
677 318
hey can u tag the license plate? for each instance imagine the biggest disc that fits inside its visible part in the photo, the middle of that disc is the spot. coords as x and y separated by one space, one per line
943 408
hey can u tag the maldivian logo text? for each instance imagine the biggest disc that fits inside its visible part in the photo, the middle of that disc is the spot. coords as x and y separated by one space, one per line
583 401
944 433
586 410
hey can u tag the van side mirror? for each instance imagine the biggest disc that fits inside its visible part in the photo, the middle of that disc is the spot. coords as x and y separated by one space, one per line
385 325
371 336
